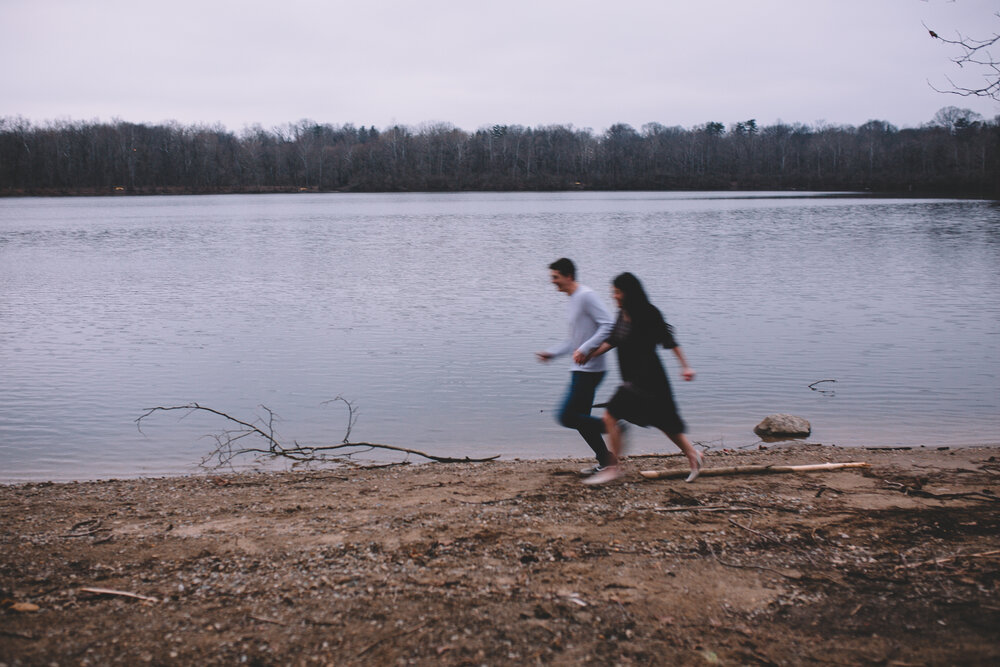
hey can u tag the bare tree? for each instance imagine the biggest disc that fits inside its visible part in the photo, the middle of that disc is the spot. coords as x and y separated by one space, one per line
975 54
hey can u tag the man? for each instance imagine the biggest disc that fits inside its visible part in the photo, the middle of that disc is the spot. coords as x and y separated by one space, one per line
589 325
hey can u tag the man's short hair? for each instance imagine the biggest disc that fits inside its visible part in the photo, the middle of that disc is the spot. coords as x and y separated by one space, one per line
564 266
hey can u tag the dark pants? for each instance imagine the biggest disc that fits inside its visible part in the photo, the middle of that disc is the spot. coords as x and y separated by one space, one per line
575 412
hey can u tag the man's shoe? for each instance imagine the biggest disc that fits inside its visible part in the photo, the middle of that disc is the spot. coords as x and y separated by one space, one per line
593 470
609 474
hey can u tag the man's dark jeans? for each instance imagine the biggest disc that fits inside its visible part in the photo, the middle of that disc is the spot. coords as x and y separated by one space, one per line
575 412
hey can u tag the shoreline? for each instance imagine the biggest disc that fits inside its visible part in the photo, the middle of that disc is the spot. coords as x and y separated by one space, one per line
513 562
362 464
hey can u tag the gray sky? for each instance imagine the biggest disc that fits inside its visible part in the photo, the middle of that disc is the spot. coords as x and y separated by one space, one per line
469 63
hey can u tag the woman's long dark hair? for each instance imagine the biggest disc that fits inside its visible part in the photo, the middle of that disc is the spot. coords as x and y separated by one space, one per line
645 317
635 301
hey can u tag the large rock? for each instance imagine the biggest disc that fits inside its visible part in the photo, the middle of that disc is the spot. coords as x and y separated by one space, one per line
788 426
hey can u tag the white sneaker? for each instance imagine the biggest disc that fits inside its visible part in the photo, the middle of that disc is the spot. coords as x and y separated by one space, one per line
695 471
593 470
609 474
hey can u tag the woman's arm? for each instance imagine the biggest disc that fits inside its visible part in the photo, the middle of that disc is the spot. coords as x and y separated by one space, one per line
686 371
596 352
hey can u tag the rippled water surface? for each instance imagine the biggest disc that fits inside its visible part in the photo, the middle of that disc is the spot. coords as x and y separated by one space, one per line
425 311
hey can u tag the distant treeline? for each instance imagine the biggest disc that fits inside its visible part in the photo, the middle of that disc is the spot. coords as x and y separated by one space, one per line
955 154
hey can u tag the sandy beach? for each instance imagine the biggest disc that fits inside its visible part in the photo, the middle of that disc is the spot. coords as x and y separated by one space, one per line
514 562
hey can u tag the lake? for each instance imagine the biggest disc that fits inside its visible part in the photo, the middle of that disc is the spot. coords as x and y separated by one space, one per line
425 310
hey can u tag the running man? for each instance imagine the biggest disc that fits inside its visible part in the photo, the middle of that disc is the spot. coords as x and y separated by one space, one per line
589 325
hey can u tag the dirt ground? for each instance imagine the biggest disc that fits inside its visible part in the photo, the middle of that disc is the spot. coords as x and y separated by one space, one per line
513 563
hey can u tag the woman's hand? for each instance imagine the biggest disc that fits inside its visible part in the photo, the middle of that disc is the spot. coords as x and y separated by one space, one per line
596 352
686 371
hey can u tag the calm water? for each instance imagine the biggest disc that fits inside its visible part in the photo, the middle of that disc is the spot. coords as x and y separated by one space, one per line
425 311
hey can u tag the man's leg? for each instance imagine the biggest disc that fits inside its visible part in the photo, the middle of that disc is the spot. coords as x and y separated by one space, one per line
575 412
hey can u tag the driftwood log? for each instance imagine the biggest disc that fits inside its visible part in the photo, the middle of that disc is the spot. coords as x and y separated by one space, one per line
752 470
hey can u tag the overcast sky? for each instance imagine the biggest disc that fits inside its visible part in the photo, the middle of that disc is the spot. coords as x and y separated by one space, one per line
472 64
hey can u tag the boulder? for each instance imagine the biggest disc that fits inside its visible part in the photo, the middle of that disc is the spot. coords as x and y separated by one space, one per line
790 426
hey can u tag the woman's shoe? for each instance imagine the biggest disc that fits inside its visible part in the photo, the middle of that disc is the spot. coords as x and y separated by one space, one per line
696 470
608 474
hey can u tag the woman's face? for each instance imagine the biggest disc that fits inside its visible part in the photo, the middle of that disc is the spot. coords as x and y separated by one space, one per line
617 295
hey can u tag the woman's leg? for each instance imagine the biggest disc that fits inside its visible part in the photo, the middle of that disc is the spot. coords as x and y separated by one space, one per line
693 455
614 437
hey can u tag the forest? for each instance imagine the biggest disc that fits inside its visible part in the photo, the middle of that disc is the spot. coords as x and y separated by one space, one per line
955 153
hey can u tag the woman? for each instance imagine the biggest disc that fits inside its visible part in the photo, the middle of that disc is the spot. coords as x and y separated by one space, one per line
645 398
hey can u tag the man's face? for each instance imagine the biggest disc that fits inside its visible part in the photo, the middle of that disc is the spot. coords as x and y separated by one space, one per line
561 282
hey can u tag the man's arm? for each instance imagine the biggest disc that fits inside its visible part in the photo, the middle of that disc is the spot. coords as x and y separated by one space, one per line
596 311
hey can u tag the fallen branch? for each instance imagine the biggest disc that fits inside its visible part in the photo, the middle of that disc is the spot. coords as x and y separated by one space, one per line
108 591
229 445
753 470
948 559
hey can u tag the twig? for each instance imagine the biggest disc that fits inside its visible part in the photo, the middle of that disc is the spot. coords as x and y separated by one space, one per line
710 508
267 620
909 490
108 591
749 567
395 636
813 385
751 530
352 418
86 528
